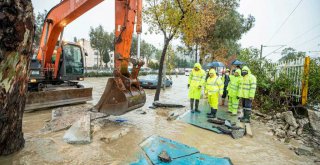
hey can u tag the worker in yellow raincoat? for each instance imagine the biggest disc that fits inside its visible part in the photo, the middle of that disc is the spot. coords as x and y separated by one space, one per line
247 90
214 89
195 84
233 92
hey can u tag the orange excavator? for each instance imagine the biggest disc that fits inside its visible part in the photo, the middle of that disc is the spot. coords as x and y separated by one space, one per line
122 93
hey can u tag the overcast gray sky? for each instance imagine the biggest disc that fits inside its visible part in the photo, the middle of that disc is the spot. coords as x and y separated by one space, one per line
301 30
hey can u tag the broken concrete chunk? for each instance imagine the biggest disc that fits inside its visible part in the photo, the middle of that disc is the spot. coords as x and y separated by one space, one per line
303 151
280 133
79 132
237 133
289 118
164 157
314 118
278 115
56 113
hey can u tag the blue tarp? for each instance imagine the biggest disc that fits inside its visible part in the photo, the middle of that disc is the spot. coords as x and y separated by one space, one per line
200 159
180 154
200 119
141 161
155 144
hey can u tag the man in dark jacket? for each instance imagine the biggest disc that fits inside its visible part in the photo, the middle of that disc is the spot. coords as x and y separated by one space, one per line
225 80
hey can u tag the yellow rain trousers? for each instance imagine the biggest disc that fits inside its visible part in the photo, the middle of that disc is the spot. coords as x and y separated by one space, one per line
233 91
214 87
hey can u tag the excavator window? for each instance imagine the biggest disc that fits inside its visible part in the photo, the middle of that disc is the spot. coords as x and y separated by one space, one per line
73 60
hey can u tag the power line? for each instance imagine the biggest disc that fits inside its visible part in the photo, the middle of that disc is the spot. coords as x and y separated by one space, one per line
275 50
285 21
306 32
308 41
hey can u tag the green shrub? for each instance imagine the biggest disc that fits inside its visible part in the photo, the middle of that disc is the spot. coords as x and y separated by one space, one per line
314 80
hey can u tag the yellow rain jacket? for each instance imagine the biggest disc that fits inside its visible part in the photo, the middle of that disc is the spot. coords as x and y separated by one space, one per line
214 87
233 92
234 84
248 85
196 79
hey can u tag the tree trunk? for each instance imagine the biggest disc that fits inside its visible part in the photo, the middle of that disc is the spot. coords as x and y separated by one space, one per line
16 35
163 55
196 58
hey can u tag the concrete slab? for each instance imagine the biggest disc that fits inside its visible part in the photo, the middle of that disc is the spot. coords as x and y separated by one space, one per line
79 132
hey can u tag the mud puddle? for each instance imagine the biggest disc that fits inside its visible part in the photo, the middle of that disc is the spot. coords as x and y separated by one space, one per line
118 143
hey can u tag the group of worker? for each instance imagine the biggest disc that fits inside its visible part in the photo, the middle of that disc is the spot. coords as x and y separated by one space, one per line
241 84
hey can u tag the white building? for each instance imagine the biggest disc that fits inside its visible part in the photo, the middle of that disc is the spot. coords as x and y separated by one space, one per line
92 60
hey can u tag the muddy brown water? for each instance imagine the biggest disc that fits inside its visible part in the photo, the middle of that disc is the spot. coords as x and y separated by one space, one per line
49 148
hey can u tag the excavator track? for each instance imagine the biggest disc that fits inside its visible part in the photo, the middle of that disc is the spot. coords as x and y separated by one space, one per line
57 97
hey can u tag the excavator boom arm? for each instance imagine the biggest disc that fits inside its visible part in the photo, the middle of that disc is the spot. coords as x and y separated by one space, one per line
57 18
123 92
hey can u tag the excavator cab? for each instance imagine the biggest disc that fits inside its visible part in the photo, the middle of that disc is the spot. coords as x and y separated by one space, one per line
72 64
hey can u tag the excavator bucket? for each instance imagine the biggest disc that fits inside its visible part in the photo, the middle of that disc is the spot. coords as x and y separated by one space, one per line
57 97
116 101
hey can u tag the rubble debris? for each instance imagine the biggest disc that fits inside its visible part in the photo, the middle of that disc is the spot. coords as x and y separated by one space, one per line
304 151
164 157
216 121
224 129
167 105
140 111
237 133
314 118
115 135
289 118
64 117
257 113
79 132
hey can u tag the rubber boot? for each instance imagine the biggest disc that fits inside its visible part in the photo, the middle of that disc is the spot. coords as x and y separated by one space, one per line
213 115
211 112
197 106
191 105
248 116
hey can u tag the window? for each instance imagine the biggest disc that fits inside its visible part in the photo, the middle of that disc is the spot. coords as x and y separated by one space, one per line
73 59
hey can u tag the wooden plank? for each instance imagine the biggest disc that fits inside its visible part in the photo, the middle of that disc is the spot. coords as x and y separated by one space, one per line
248 129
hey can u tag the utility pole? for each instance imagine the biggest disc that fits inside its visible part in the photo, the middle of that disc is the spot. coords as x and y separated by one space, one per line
261 52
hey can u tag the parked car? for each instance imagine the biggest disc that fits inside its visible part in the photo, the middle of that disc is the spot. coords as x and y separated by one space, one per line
187 71
151 81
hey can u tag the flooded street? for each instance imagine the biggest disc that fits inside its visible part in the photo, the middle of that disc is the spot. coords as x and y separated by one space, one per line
106 148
